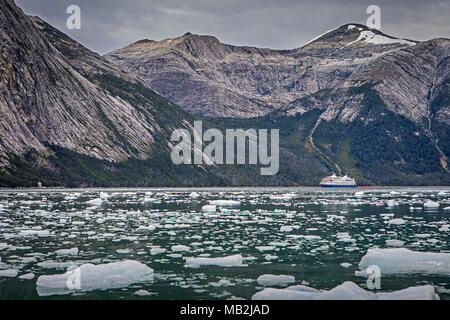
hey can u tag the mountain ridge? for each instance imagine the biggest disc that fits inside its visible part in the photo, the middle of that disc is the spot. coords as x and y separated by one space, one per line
241 81
70 117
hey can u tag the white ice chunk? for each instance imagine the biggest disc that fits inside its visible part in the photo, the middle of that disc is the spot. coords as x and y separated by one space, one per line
286 229
405 261
180 248
271 280
346 265
34 232
209 208
67 252
395 243
27 276
397 221
225 203
194 195
229 261
431 204
346 291
143 293
95 202
9 273
89 277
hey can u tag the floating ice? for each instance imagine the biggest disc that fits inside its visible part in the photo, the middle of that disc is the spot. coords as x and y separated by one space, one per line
286 229
143 293
225 203
104 195
431 204
230 261
405 261
194 195
395 243
180 248
34 232
265 248
9 273
270 280
397 221
89 277
209 208
346 291
155 251
27 276
67 252
346 265
95 202
147 228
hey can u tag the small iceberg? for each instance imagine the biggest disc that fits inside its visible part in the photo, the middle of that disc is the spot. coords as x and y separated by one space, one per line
95 202
230 261
359 194
397 221
194 195
90 277
9 273
180 248
346 291
405 261
225 203
272 280
209 208
431 204
67 252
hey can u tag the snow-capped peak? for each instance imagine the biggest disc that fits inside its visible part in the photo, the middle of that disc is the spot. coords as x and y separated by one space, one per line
369 36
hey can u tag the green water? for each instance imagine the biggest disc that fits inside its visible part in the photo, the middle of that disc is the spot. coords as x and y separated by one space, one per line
110 232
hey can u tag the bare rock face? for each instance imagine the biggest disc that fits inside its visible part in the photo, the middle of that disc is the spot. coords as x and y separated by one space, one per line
210 78
49 96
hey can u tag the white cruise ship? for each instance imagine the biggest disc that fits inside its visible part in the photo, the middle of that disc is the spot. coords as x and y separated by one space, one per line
337 181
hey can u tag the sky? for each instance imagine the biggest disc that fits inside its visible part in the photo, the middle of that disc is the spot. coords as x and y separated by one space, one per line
107 25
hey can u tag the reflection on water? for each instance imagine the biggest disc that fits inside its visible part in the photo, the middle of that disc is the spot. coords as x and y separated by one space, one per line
316 235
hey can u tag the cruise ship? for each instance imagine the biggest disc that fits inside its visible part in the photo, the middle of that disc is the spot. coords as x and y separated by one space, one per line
338 182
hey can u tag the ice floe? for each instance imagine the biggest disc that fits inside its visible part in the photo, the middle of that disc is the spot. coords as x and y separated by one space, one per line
346 291
431 204
405 261
225 203
89 277
229 261
271 280
95 202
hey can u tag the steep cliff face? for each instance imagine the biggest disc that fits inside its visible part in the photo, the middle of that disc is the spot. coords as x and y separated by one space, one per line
55 92
210 78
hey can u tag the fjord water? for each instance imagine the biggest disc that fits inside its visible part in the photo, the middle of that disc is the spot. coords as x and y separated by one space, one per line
316 235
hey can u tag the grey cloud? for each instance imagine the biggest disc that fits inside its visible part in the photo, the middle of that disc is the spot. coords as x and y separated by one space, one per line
110 24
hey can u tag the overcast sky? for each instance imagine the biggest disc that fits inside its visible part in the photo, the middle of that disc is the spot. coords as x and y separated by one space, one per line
279 24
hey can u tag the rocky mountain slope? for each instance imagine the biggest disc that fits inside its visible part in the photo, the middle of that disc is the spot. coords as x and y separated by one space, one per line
56 92
351 101
210 78
61 101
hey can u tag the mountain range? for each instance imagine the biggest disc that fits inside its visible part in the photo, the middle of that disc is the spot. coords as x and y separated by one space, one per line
353 100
